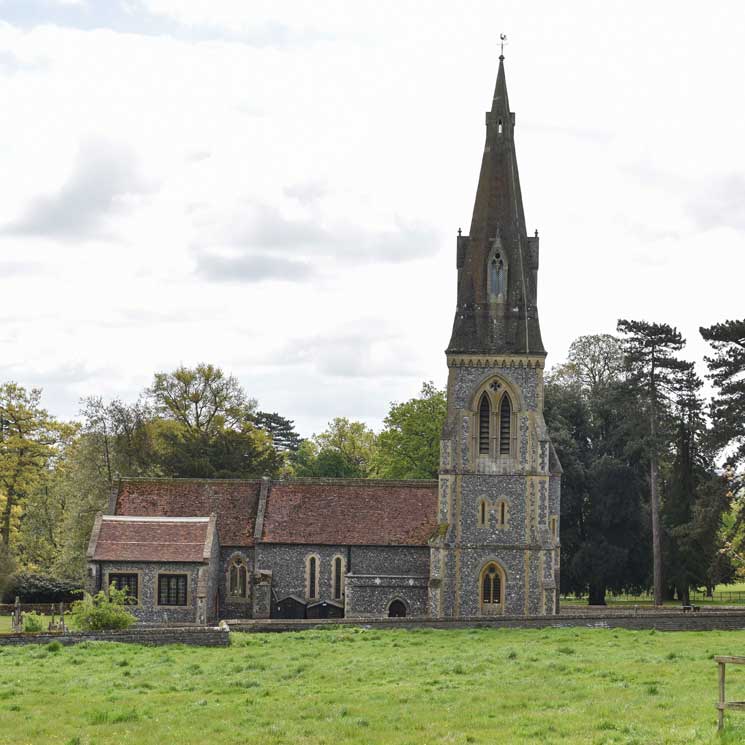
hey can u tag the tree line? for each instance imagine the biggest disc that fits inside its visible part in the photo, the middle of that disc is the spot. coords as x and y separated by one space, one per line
652 472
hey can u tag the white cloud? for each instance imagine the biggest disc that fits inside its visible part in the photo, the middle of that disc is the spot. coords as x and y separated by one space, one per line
338 145
104 183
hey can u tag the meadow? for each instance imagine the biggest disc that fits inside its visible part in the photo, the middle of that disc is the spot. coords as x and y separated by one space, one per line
363 686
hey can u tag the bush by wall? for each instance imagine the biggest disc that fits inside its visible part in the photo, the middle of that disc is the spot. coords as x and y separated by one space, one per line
40 588
102 611
32 622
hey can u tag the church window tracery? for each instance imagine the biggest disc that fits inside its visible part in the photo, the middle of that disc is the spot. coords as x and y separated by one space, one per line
491 585
237 578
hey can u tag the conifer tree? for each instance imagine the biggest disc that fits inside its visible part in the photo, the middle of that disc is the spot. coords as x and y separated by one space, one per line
727 372
695 496
282 430
650 350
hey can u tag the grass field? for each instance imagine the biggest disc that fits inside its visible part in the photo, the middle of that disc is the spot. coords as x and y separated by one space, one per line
368 686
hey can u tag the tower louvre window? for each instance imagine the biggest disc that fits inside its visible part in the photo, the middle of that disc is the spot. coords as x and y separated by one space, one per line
505 425
484 416
499 127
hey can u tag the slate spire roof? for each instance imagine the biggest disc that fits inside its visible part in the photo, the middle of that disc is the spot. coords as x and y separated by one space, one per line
490 317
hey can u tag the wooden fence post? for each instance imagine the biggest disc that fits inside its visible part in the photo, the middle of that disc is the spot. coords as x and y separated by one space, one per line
722 698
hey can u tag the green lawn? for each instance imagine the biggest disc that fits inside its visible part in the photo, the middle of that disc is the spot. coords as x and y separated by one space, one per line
374 686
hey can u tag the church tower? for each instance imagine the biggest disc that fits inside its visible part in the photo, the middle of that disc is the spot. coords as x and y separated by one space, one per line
497 548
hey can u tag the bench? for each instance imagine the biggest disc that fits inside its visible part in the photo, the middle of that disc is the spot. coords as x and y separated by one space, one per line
689 608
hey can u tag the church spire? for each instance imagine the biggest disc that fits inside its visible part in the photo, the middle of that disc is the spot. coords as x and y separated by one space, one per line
497 263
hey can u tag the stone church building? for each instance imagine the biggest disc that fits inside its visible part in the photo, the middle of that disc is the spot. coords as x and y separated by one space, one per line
482 540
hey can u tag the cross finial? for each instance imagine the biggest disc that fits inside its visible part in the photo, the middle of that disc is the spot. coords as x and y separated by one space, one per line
503 40
460 232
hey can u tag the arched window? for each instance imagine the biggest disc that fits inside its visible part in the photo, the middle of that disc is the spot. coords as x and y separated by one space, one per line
499 127
396 609
491 585
311 577
505 425
337 578
484 422
502 513
237 579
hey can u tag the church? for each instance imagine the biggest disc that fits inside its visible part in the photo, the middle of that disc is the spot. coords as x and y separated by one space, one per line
482 540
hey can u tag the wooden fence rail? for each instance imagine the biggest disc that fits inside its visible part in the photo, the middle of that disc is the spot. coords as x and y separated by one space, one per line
723 704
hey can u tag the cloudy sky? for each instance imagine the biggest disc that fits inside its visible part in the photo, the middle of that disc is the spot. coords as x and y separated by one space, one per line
276 187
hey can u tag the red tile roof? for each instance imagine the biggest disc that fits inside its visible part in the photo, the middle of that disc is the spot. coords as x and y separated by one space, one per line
235 503
151 539
354 511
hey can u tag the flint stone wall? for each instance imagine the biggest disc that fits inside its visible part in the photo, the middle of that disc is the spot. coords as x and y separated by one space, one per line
194 636
147 609
371 595
287 564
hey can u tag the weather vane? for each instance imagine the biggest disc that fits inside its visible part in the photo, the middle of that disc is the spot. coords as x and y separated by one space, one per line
503 39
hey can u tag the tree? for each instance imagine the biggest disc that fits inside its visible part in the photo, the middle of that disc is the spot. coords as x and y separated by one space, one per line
28 440
204 427
591 420
649 350
594 361
409 445
121 435
727 373
282 431
695 496
345 450
202 398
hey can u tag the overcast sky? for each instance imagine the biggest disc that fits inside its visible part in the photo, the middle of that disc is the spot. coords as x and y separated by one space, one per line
276 187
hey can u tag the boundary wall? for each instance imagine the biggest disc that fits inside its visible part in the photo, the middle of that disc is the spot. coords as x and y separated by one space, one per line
199 636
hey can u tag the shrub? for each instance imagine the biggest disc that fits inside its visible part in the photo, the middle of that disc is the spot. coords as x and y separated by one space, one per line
101 611
40 588
54 646
32 622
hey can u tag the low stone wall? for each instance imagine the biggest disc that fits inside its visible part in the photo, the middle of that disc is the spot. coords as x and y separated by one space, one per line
659 620
194 636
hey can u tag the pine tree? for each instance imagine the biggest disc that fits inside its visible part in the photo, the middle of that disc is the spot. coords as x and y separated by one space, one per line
696 497
282 431
650 350
727 372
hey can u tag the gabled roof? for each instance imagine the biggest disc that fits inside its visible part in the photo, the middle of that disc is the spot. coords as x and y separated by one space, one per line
321 511
171 539
233 501
351 512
